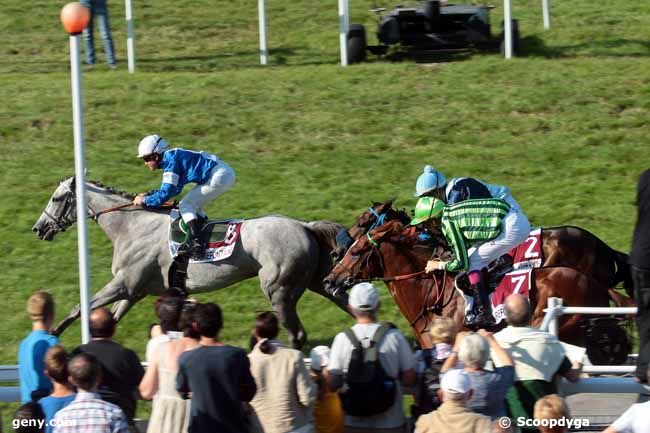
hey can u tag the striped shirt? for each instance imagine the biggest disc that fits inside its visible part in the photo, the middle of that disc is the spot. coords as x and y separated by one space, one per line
469 222
90 414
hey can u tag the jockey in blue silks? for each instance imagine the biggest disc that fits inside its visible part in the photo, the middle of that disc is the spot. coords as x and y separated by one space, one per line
515 227
211 175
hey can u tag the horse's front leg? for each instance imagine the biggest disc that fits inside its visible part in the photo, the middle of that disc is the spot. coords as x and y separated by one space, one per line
122 307
111 292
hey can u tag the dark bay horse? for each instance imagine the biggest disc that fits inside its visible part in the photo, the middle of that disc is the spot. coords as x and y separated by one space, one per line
391 253
568 246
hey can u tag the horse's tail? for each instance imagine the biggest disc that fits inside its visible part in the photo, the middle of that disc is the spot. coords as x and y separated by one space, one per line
623 272
325 233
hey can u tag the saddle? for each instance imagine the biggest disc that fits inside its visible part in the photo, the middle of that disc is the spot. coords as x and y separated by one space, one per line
218 239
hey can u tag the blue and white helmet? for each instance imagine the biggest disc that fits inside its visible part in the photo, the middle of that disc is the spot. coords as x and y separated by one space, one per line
151 144
430 179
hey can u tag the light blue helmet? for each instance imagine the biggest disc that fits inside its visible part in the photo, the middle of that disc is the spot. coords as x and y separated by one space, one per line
429 180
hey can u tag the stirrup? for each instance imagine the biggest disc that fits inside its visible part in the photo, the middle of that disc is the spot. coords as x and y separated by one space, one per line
192 246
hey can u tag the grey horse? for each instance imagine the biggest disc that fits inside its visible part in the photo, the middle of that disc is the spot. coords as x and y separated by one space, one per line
287 255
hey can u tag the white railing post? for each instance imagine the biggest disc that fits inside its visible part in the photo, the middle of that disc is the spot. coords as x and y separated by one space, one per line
264 51
507 29
344 26
553 304
546 14
130 36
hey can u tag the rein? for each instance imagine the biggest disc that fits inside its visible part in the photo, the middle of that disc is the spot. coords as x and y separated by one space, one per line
439 301
63 220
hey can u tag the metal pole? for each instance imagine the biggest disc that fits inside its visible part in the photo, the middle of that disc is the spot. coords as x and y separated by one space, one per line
130 36
264 52
507 29
79 165
546 13
553 327
344 25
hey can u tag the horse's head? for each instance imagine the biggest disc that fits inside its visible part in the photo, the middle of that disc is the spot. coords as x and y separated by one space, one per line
377 214
60 212
362 260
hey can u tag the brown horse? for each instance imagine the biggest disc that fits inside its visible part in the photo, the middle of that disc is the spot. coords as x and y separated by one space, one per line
568 246
391 254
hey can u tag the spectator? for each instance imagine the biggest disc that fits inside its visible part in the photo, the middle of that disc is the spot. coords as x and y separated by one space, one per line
28 418
168 309
640 269
99 12
217 375
538 358
489 387
285 393
88 413
31 354
634 420
442 333
328 412
551 407
453 415
56 368
121 368
395 357
170 412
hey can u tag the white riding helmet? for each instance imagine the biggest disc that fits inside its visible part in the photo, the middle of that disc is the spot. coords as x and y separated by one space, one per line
430 179
151 144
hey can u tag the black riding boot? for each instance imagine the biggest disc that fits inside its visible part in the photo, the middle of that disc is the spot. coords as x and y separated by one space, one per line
192 244
483 317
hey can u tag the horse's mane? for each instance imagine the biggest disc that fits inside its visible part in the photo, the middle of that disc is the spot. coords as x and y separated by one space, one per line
112 190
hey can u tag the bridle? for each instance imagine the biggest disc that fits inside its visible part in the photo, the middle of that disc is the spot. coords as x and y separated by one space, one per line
64 220
439 302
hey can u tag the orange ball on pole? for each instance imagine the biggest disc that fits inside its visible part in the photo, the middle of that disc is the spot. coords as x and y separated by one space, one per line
75 17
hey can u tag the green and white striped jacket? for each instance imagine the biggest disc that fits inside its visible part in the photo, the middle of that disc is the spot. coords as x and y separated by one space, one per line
470 222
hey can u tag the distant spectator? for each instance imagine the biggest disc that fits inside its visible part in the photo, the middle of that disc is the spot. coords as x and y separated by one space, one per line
285 394
453 416
489 387
170 413
217 375
121 368
551 407
88 413
168 317
640 269
99 13
634 420
538 357
28 419
395 357
31 354
328 412
56 368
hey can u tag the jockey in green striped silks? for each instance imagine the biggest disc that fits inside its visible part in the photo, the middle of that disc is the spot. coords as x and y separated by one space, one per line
470 228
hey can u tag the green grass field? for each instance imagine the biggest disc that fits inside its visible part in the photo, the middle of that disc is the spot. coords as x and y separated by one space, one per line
565 127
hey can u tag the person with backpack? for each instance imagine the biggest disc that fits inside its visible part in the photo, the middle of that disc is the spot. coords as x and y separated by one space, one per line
368 364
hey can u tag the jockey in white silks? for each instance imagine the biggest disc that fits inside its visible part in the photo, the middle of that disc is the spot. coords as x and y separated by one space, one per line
211 175
515 227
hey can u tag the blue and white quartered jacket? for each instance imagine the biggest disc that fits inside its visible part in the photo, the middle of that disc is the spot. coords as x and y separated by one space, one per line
181 167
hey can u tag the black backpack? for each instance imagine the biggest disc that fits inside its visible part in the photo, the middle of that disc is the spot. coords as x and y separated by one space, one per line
369 389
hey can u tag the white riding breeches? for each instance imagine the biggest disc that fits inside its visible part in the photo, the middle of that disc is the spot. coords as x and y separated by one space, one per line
221 179
515 229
